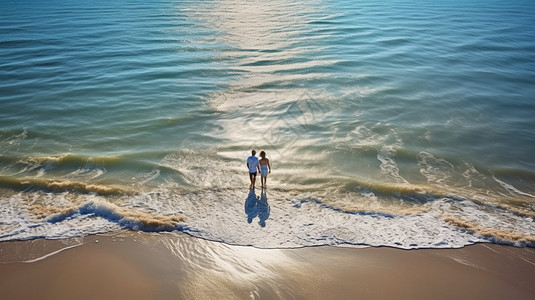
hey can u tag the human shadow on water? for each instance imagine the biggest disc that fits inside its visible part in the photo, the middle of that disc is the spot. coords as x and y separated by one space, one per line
257 207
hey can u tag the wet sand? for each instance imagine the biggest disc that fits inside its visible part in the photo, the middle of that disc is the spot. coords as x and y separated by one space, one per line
134 265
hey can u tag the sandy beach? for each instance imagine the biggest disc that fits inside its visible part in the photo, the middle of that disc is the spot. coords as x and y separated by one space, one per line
134 265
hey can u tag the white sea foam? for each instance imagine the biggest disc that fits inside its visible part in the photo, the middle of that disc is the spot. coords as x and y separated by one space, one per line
436 170
469 174
388 164
307 222
218 207
50 254
12 140
271 220
511 189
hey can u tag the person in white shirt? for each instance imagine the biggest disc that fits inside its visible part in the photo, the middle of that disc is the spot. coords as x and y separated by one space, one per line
254 166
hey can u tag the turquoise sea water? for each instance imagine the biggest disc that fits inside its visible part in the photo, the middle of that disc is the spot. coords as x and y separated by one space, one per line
400 123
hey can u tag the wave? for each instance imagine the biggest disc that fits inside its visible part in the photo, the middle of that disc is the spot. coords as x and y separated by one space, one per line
79 173
27 184
501 236
321 206
291 218
63 161
124 217
92 216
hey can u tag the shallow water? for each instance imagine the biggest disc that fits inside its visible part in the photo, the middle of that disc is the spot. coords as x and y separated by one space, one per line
401 124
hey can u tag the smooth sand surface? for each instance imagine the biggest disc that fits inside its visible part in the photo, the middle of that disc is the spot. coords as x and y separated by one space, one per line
134 265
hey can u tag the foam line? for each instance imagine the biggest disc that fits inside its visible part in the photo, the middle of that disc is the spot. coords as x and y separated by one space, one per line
511 189
50 254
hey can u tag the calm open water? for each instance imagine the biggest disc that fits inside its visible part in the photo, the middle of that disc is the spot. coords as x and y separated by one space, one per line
388 123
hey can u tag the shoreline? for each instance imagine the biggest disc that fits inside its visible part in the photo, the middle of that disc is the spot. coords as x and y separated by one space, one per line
139 265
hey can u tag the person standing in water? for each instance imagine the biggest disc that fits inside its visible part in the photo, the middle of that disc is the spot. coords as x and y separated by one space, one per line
253 165
265 168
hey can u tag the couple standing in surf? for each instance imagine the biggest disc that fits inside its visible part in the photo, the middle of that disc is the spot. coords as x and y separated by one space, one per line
261 166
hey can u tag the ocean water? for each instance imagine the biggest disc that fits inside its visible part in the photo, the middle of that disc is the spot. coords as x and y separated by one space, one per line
403 123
